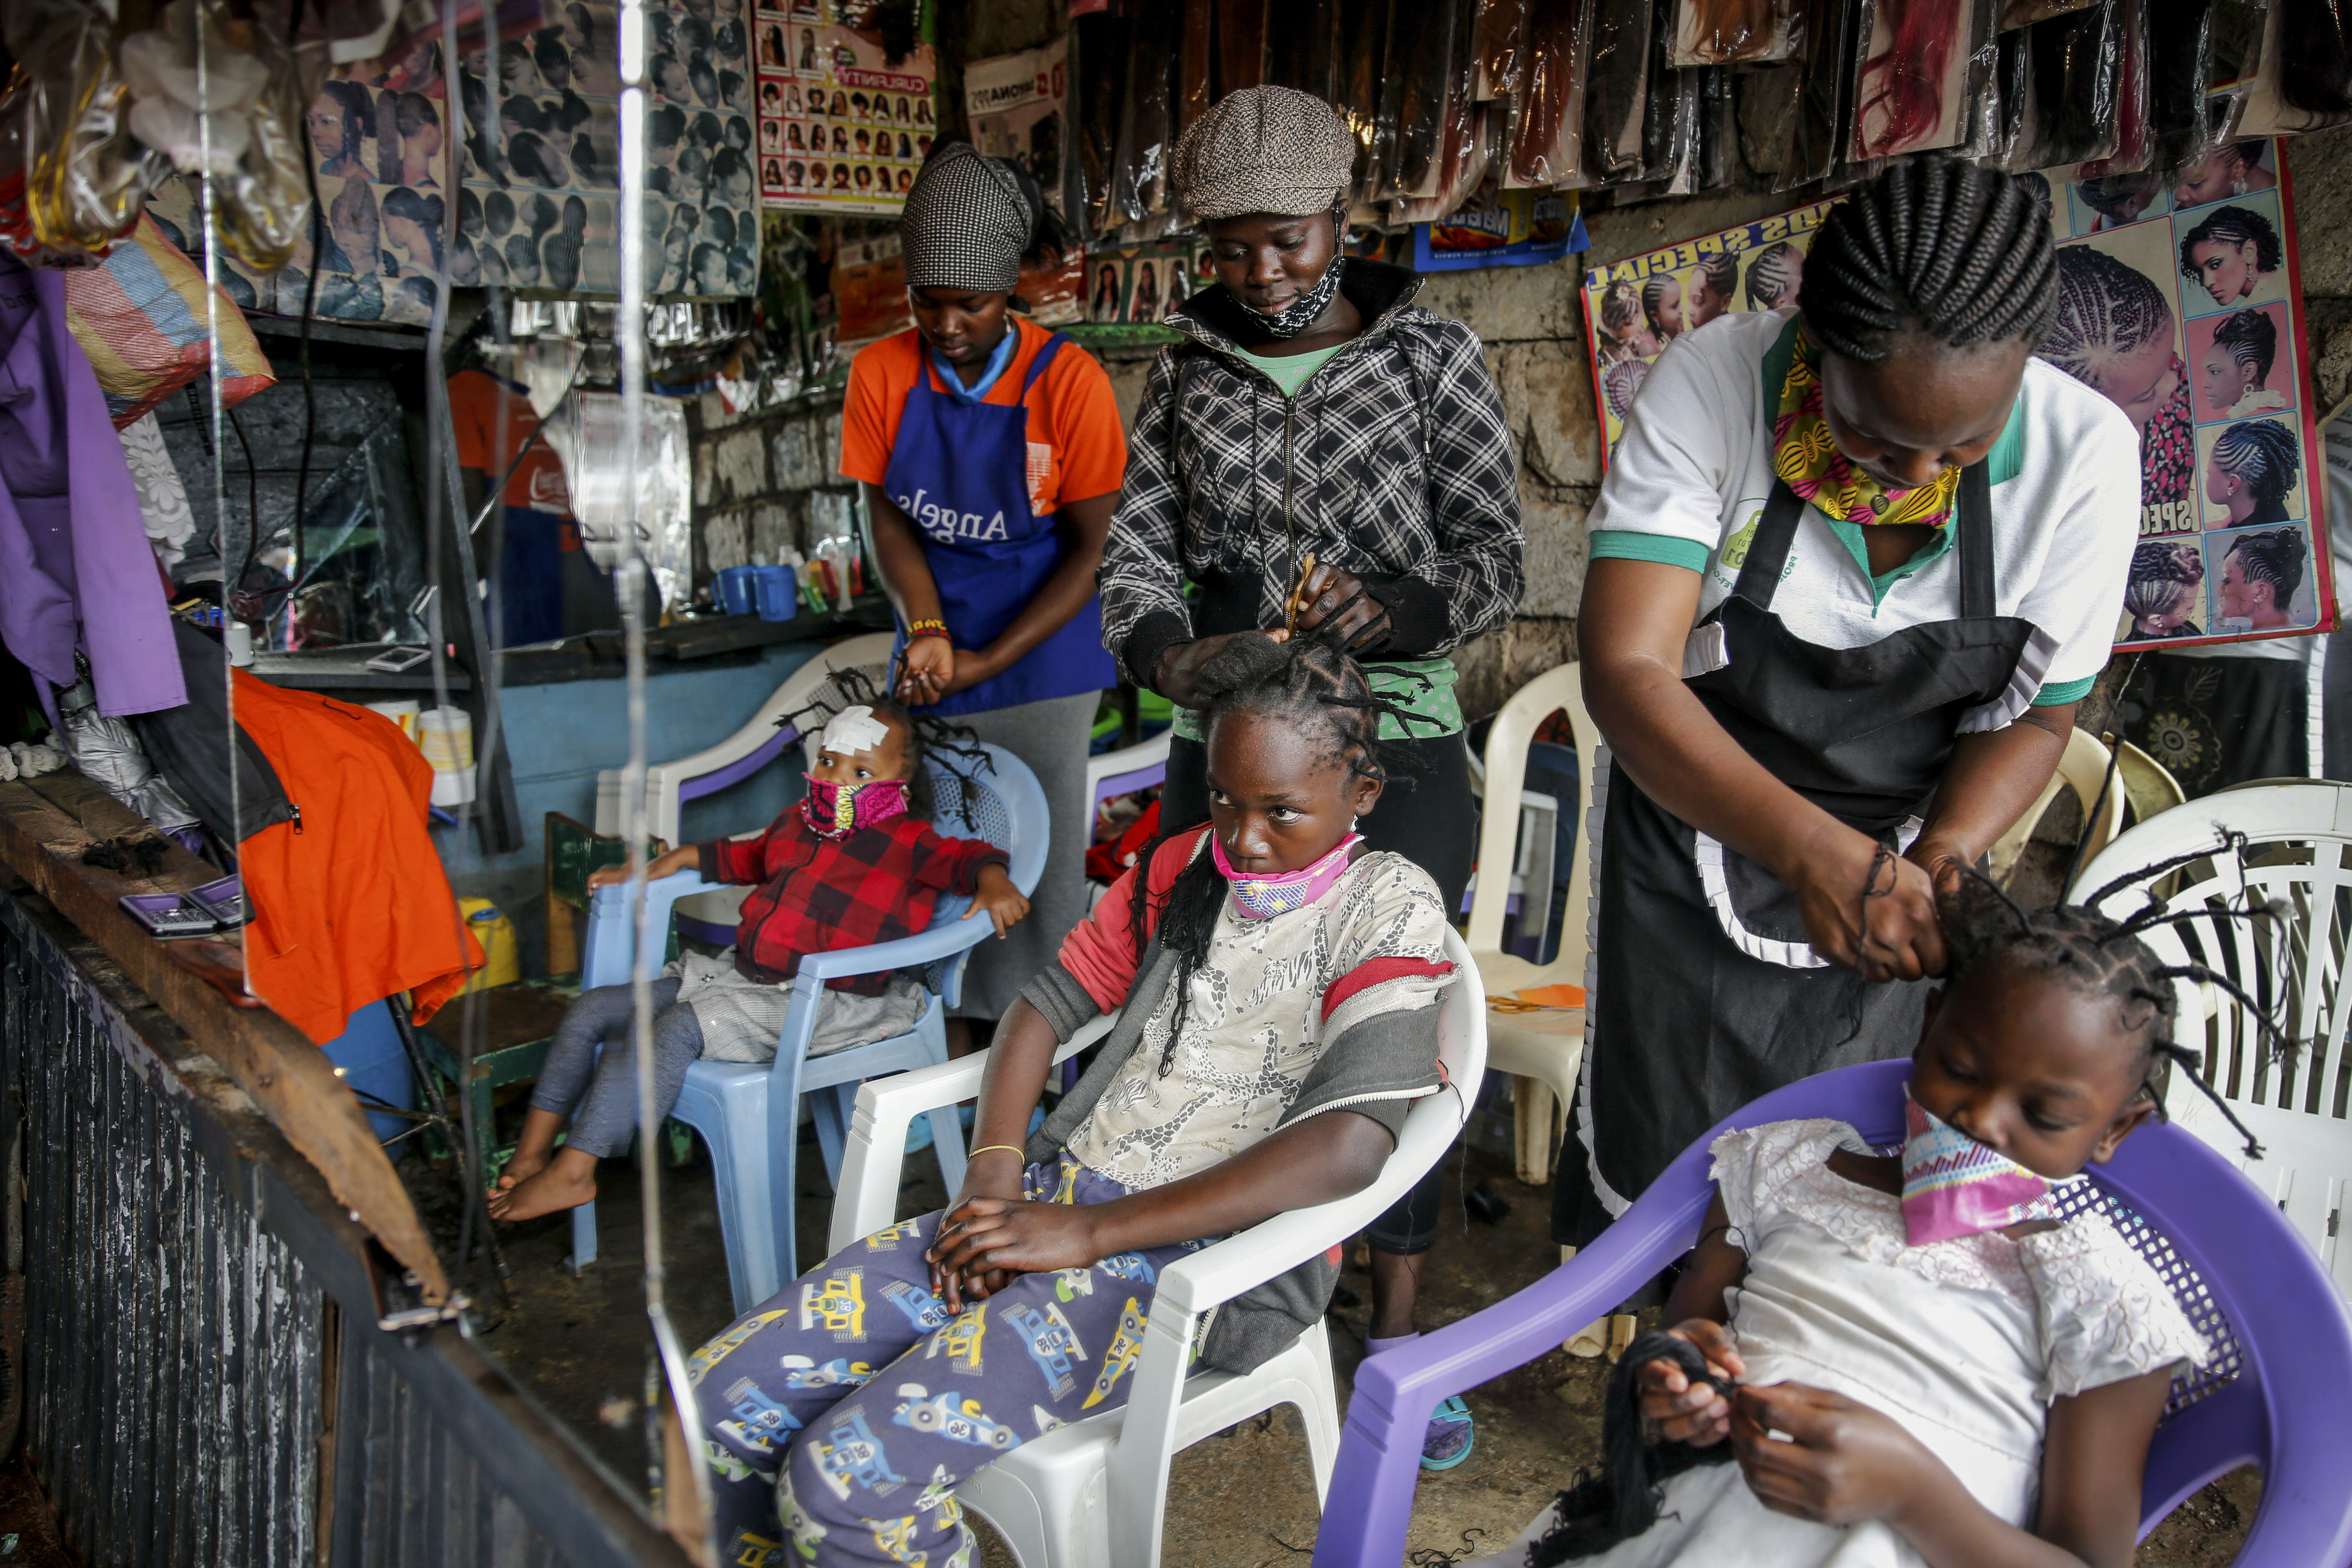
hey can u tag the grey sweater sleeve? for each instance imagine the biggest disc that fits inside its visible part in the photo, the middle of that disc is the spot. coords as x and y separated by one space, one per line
1060 1000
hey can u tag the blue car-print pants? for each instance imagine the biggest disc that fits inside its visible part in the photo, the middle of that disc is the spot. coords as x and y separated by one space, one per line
839 1416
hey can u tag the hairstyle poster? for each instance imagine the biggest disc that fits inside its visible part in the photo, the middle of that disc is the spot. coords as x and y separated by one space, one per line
1634 308
1017 107
378 134
2179 299
846 113
541 206
1142 285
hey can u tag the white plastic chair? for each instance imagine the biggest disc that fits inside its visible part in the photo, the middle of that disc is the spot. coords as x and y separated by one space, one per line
2083 768
1125 770
2299 850
749 1112
1094 1492
1543 1049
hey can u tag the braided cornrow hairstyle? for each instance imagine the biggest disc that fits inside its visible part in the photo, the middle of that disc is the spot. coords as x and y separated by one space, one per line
928 735
2102 956
2233 225
1931 245
1771 276
1310 685
2251 338
2106 310
2263 452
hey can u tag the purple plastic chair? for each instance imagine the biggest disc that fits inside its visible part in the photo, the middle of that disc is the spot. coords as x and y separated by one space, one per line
2274 1396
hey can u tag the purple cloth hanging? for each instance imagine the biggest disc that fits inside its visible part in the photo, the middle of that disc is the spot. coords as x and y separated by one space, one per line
75 564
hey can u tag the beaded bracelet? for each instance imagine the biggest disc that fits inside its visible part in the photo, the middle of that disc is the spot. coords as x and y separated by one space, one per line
926 628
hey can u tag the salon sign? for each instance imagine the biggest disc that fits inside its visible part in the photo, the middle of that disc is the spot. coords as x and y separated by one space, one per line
2182 305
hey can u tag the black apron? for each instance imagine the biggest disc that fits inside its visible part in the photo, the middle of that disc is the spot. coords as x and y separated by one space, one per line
1707 993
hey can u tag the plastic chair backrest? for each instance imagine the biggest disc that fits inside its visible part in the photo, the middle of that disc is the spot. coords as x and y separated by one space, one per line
1125 770
1506 769
2273 1395
2083 768
668 785
2297 857
2147 784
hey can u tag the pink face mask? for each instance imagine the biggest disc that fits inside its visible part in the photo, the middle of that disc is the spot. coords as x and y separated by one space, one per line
1263 898
837 810
1953 1185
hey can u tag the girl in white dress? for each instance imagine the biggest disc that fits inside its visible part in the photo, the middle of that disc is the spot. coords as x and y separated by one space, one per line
1913 1359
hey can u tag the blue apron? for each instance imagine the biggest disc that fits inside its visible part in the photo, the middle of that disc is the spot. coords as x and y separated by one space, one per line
960 471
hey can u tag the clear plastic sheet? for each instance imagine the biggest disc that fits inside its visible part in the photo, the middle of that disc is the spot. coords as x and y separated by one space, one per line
1768 107
1098 71
2315 74
2061 88
85 173
2016 14
1302 46
1140 189
1196 64
1726 32
1616 80
1430 79
1546 129
1919 67
1360 32
1502 45
2132 142
1718 163
1825 102
1669 110
1241 43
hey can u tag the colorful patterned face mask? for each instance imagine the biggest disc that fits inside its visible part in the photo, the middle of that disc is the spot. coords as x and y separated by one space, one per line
1263 898
837 810
1805 454
1953 1185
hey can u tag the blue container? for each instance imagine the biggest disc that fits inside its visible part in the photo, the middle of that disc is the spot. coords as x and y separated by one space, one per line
777 595
732 587
370 1053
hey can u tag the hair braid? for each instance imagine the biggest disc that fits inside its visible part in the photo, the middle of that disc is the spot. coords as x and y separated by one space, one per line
2263 452
929 737
1932 246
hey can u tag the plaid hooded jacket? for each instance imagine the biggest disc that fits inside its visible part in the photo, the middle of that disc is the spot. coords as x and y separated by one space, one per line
1394 463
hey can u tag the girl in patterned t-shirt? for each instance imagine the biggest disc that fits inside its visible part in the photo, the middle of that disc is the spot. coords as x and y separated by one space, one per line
1278 988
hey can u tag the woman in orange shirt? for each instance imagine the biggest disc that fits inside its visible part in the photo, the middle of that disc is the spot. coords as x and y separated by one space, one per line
991 454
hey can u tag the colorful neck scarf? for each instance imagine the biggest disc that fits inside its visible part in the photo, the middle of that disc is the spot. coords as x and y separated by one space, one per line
1953 1185
1263 898
1804 455
837 810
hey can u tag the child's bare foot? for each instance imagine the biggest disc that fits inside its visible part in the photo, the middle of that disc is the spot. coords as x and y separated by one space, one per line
562 1184
521 1168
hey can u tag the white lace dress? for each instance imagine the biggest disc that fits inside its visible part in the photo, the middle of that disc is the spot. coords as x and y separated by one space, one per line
1964 1343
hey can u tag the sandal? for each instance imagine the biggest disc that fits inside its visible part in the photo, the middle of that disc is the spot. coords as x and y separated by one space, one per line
1450 1438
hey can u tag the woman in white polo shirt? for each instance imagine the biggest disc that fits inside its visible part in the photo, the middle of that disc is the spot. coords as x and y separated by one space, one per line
1853 567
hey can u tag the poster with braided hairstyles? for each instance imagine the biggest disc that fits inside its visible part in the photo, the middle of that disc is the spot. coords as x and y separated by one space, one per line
2176 297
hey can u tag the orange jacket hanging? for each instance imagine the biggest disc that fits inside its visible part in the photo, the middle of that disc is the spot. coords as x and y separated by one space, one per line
350 902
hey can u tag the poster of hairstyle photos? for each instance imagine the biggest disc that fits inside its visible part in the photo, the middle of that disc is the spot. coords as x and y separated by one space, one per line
541 203
1634 308
379 139
2178 300
843 125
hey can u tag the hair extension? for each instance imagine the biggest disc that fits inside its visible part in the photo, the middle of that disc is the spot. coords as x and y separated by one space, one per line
928 736
1904 82
1936 247
1598 1511
2274 556
1313 686
2100 956
2106 310
1771 275
2264 453
2251 338
2233 225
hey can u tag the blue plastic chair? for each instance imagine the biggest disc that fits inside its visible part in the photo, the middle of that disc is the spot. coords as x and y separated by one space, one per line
2274 1395
749 1112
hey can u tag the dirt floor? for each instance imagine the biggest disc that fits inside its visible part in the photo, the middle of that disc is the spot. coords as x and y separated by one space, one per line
1242 1499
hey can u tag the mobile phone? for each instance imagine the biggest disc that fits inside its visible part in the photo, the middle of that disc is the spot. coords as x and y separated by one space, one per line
392 661
225 899
169 914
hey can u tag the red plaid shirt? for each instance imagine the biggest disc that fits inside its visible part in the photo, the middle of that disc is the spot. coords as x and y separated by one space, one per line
820 895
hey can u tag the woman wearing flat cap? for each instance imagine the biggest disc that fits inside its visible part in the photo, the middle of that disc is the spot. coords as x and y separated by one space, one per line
1314 411
990 453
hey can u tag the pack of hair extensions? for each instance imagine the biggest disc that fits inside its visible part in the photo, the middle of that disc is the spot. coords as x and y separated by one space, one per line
1501 46
1362 31
1546 129
1920 66
1302 46
1825 99
1429 46
1718 162
1616 83
2061 88
1728 32
1669 112
2179 56
1098 76
1196 65
1240 45
1146 129
2016 14
2132 101
2300 75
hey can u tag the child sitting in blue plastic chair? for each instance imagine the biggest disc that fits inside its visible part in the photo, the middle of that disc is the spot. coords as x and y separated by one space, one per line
855 864
1924 1357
